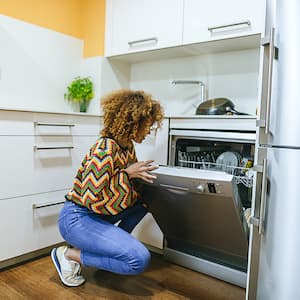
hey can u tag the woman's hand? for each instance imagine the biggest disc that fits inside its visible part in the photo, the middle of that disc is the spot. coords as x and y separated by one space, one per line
141 170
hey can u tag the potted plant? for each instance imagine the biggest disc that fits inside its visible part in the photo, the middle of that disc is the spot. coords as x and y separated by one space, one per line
80 90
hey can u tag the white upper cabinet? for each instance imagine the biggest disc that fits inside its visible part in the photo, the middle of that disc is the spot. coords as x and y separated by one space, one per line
206 20
139 25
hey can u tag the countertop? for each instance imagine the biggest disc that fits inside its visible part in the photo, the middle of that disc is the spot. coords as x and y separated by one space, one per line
48 111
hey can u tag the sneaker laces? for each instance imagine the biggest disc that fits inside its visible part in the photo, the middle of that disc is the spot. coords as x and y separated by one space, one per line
70 267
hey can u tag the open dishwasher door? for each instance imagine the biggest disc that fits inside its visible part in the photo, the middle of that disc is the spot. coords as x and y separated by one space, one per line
200 215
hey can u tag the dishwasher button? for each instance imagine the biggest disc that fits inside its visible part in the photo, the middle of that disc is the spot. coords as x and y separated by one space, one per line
200 188
212 187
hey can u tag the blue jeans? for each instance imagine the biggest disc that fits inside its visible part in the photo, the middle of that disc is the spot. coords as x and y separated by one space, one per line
102 244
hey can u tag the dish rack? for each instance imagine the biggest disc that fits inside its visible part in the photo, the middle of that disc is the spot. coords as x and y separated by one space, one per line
241 175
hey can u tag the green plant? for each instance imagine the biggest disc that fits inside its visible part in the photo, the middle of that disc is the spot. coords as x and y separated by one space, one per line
80 90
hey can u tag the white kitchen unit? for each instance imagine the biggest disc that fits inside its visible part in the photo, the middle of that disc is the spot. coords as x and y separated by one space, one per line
139 25
154 147
149 233
217 19
134 26
40 154
29 223
213 123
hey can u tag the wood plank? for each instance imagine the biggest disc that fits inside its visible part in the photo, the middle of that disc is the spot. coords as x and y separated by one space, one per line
162 280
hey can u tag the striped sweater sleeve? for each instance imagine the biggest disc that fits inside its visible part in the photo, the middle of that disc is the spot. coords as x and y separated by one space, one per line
103 186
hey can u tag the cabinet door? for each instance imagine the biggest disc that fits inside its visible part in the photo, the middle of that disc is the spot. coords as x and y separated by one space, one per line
139 25
155 146
148 232
29 223
218 19
50 166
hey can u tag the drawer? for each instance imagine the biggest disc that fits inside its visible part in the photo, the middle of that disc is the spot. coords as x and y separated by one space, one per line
15 123
51 166
30 123
54 124
24 228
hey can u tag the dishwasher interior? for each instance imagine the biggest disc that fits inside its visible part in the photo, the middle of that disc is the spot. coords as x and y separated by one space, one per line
201 201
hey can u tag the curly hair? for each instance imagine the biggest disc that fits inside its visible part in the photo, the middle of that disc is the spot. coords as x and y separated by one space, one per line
128 115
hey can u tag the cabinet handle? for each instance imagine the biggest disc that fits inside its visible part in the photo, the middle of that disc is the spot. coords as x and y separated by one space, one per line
132 43
187 82
53 124
50 148
225 26
37 206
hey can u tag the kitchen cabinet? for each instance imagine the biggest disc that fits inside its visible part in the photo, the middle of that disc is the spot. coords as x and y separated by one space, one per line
216 19
213 123
29 223
40 154
42 151
149 233
155 147
139 25
134 26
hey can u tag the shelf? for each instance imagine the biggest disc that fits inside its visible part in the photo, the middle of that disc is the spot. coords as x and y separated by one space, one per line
241 175
217 46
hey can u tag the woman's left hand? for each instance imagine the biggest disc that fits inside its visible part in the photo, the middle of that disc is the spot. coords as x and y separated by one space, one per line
141 170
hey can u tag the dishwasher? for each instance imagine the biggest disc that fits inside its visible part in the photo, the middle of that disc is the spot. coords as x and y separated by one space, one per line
200 201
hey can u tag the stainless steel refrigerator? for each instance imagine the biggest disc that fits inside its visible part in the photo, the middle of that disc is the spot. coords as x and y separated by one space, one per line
274 256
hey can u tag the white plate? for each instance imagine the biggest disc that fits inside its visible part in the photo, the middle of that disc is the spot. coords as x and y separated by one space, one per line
227 161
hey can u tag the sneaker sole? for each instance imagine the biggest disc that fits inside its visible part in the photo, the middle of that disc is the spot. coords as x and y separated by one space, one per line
57 267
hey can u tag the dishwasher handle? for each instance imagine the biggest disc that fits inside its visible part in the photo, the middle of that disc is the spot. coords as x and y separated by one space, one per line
175 189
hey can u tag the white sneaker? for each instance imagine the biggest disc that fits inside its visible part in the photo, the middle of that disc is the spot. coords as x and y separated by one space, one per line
68 270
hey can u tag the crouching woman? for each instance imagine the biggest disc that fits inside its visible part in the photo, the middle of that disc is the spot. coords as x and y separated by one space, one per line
103 193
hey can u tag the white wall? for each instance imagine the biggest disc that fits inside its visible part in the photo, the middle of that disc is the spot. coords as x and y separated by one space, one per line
230 74
91 67
37 64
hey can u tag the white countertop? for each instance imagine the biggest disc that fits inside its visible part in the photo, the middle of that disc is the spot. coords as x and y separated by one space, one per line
225 117
228 117
48 111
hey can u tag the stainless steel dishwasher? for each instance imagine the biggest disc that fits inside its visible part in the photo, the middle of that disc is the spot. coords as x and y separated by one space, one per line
199 202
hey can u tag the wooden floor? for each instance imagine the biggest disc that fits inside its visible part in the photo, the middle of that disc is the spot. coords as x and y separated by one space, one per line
162 281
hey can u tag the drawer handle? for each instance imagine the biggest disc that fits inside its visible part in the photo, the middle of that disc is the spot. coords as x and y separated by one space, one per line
36 148
37 206
187 82
225 26
154 39
53 124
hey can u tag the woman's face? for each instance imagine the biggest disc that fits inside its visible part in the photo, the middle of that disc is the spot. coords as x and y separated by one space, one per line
145 130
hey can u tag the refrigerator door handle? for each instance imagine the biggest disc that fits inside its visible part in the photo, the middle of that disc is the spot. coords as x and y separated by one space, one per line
263 198
265 123
259 222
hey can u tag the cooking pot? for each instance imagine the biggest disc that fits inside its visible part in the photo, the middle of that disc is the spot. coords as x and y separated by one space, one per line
217 106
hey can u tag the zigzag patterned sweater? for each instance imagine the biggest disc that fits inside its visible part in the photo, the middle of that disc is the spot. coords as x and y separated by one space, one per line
101 184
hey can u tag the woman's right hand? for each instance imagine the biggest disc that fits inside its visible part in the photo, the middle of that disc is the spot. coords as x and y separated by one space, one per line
141 170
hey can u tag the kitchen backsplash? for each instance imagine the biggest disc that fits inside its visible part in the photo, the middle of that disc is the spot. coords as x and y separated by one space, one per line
37 64
229 74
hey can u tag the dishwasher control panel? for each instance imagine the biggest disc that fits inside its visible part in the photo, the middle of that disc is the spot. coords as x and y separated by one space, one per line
212 188
194 181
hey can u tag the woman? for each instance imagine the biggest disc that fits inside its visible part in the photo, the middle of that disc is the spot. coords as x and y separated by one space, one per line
103 193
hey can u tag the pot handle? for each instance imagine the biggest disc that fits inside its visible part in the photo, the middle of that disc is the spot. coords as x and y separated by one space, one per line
235 112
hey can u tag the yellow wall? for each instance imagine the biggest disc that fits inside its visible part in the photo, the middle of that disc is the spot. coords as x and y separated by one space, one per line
83 19
93 25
